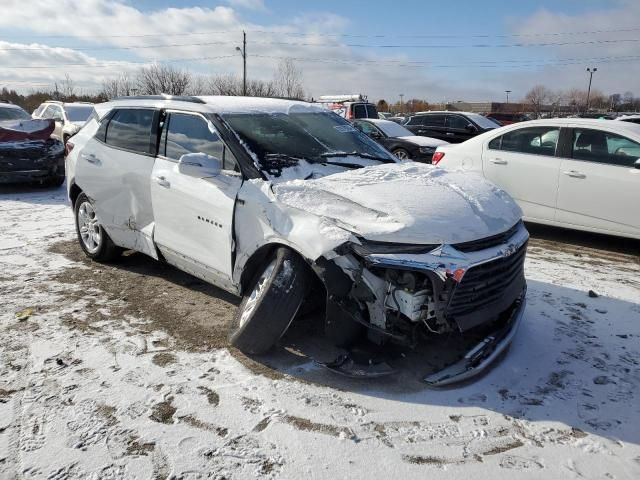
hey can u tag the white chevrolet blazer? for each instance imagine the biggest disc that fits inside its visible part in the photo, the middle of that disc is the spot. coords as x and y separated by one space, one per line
278 201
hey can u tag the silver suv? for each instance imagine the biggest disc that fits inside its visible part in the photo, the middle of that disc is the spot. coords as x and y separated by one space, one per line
266 198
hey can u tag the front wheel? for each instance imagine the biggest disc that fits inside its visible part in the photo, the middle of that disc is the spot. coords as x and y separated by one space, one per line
271 303
94 240
402 154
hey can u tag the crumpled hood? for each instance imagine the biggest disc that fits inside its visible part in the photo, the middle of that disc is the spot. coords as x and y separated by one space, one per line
424 141
405 203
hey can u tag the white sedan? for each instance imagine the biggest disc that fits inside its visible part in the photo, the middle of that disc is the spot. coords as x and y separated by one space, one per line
573 173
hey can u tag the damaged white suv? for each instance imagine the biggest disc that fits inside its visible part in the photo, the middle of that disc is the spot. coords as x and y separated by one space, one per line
275 200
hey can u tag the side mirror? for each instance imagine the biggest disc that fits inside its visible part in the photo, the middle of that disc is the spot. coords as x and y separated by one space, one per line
637 164
199 165
470 128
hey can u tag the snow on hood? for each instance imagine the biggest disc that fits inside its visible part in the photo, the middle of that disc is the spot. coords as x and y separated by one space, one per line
405 203
424 141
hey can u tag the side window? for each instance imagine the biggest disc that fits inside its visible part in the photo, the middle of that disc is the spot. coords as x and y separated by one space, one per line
191 134
495 143
367 128
604 147
359 111
415 120
131 129
434 120
48 113
39 110
457 122
532 140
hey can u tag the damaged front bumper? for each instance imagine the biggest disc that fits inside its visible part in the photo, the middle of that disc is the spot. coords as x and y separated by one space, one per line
475 290
480 357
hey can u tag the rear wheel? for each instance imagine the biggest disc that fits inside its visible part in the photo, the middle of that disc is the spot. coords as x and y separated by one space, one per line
94 240
271 303
402 154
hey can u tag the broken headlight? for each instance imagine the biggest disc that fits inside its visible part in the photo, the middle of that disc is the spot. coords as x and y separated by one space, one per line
367 247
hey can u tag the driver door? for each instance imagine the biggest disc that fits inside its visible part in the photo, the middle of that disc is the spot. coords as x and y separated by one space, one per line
194 210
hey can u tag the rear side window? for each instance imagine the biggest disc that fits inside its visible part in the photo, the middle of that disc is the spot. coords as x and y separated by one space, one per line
604 147
532 140
130 129
433 120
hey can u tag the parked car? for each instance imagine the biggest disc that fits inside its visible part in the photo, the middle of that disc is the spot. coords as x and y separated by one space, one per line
350 107
574 173
507 118
398 119
454 127
629 118
267 197
69 117
398 140
384 115
27 153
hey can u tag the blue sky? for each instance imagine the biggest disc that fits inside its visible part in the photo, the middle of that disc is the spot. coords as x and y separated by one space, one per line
327 40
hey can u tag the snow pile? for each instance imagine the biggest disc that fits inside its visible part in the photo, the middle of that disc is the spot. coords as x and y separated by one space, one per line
405 202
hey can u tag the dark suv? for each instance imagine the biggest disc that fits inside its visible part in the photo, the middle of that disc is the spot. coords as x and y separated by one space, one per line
454 127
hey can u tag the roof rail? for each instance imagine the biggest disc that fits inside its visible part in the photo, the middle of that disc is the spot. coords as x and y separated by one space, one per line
164 96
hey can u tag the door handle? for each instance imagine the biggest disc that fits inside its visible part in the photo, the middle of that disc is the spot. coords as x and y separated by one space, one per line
163 182
498 161
575 174
91 158
450 134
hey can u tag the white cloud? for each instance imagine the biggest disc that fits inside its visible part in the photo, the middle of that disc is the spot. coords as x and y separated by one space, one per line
248 4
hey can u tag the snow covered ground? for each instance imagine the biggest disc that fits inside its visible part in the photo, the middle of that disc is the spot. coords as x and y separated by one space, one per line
121 372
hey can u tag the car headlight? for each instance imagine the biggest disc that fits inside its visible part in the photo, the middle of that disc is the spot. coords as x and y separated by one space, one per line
371 248
427 149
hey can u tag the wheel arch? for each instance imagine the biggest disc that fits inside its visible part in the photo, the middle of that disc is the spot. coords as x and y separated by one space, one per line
74 193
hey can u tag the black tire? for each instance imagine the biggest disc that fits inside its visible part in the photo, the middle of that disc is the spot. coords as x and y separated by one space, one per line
105 250
402 154
270 303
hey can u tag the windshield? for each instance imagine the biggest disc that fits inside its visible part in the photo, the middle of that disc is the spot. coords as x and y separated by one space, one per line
483 122
313 136
13 114
78 113
392 129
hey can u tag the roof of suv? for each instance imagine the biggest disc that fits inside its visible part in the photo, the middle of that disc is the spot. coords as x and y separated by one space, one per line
445 111
211 104
10 105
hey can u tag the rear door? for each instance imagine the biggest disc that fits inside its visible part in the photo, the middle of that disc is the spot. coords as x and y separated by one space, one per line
599 187
114 169
523 162
194 213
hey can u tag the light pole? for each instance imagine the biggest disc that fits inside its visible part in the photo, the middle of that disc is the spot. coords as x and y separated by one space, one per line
507 92
243 52
591 72
401 105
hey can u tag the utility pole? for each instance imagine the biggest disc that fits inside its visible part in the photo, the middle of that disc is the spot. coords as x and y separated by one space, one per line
507 92
401 105
591 72
243 52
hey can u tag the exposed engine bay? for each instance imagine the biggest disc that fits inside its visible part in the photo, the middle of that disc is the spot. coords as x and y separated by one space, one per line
405 299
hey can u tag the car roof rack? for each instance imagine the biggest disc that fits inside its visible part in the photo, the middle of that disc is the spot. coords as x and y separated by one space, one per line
163 96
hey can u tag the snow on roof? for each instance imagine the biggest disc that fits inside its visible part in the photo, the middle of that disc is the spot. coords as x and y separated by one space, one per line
228 104
216 104
10 105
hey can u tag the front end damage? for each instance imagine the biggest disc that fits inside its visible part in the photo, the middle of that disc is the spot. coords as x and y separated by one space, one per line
407 294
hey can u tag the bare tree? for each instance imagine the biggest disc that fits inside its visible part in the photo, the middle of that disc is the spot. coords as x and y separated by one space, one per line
121 86
537 97
67 87
232 85
156 79
288 79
